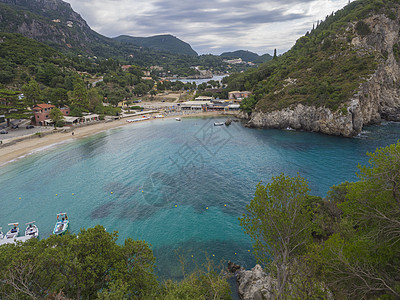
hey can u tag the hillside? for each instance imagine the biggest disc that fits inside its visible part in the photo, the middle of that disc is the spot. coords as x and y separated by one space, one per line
164 43
247 56
337 78
55 23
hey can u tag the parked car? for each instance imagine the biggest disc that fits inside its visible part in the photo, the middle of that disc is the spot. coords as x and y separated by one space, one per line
29 126
14 126
3 131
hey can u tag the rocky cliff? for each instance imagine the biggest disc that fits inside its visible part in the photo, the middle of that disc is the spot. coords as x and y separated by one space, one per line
377 99
49 21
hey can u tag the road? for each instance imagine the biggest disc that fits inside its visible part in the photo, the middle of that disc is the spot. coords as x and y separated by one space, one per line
21 131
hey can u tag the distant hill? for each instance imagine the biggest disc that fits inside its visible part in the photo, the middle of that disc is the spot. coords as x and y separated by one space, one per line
56 24
164 43
247 56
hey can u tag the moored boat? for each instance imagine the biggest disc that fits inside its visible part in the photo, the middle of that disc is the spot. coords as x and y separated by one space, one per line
1 233
178 119
62 224
13 232
219 123
31 230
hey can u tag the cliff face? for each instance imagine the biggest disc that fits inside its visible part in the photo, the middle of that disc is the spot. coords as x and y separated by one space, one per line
48 21
377 99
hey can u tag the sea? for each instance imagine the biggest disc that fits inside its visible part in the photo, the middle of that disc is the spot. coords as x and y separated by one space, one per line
179 186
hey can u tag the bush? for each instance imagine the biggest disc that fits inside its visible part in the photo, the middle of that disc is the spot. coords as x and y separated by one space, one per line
362 28
60 123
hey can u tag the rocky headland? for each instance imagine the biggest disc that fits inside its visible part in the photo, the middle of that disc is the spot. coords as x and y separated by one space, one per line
377 99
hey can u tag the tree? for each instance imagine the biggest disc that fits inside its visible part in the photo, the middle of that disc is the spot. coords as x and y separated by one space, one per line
32 93
12 106
94 99
279 222
362 258
56 115
274 53
57 96
79 95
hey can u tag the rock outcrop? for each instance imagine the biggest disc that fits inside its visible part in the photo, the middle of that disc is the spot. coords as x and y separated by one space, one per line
378 97
253 284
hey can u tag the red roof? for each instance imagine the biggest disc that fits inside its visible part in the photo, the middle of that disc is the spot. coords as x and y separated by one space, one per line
44 105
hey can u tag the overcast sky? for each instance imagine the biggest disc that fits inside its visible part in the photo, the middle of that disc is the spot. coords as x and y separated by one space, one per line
210 26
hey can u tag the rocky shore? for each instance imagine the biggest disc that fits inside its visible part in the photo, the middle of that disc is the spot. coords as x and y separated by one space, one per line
253 284
377 99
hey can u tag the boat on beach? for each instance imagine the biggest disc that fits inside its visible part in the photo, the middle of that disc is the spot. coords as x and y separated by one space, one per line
62 224
13 232
31 230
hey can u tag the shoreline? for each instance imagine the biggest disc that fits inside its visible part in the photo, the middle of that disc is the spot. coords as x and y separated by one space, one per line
20 149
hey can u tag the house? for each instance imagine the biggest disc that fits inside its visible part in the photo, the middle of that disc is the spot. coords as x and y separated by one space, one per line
203 98
195 105
126 67
41 113
238 96
89 118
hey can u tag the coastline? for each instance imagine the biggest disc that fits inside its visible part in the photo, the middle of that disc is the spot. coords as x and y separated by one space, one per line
20 149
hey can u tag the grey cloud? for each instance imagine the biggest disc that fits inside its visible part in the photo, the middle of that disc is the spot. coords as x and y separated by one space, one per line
208 24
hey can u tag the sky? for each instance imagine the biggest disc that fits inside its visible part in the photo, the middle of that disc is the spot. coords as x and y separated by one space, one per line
210 26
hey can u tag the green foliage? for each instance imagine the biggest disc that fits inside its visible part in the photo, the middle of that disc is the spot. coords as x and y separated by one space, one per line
57 116
362 28
360 258
92 265
12 106
278 219
322 68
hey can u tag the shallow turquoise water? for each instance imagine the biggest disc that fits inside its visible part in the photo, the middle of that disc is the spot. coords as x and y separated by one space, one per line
181 186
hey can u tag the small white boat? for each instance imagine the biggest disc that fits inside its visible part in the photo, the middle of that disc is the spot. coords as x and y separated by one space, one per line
219 123
62 224
159 116
1 233
178 119
13 232
31 230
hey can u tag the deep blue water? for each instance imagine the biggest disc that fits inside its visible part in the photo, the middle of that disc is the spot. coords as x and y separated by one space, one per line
181 186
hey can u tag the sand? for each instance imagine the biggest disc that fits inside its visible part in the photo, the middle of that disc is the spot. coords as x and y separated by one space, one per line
23 148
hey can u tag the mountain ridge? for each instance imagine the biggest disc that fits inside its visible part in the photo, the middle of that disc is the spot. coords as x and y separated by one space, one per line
165 42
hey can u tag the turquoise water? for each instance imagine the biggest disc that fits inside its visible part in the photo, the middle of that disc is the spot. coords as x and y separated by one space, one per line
181 186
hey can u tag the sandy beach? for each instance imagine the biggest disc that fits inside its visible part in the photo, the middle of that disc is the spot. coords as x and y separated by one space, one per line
25 147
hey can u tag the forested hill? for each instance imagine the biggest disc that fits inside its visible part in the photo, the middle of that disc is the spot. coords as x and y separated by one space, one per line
54 23
338 77
247 56
166 43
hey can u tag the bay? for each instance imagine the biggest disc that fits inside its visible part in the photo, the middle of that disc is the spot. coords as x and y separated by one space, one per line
180 186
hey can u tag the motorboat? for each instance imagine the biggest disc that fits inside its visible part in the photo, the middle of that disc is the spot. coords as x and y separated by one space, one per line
62 224
219 123
1 233
178 119
31 230
13 232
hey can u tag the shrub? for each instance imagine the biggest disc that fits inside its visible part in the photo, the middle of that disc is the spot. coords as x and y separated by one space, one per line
362 28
